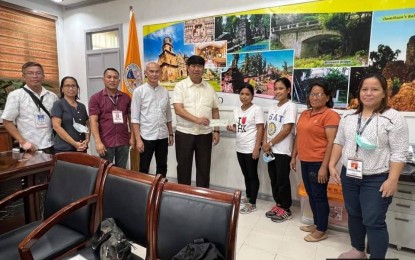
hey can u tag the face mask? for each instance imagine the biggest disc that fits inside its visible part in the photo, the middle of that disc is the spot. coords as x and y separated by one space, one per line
364 143
80 128
268 157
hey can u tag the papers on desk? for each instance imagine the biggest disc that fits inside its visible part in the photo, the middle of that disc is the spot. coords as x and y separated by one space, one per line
410 156
77 257
409 169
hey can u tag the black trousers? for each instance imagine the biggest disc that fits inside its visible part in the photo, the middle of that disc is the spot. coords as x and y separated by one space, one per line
160 149
279 174
200 146
249 169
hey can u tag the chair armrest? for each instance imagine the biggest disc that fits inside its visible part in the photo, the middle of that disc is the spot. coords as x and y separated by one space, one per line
46 225
22 193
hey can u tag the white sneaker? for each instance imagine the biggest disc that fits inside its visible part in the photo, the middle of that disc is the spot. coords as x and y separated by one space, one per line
248 208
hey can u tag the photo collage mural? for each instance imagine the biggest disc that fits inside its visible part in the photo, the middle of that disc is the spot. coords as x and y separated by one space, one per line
258 47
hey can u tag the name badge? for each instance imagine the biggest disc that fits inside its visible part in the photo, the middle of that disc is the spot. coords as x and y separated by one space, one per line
117 117
354 168
41 121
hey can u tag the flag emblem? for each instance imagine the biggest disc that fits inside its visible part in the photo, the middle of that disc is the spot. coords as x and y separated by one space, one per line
132 76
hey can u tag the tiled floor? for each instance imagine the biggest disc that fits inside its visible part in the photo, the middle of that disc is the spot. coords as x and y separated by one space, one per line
259 238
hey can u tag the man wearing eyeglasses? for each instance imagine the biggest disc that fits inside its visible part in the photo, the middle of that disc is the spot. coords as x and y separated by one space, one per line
29 107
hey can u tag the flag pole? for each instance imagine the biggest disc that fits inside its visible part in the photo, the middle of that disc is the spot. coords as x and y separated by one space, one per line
132 78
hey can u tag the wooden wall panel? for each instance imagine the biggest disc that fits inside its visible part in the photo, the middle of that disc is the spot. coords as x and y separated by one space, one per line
27 37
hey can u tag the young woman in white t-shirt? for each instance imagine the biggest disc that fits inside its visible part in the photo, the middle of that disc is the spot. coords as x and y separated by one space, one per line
278 140
249 127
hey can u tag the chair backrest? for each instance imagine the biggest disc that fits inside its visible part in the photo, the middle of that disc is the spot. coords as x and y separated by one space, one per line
183 213
127 196
73 176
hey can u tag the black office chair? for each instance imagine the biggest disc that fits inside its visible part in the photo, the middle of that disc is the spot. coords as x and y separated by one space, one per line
127 196
183 213
73 183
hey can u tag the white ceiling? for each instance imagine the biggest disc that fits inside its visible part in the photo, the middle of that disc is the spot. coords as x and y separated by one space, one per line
68 4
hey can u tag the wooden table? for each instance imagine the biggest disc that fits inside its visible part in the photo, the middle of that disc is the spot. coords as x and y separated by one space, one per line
5 140
19 171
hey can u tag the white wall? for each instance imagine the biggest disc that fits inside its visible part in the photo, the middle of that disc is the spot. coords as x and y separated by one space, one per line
79 20
225 172
72 25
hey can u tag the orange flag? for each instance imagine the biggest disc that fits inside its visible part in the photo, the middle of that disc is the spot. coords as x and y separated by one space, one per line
132 76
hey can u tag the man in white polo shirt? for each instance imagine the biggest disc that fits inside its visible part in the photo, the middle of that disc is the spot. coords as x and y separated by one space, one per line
29 107
151 119
195 103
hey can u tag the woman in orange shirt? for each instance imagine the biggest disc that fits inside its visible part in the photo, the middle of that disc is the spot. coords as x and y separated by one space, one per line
316 130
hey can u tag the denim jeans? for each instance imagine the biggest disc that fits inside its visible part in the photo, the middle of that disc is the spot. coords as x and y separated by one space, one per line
158 147
119 153
367 212
317 194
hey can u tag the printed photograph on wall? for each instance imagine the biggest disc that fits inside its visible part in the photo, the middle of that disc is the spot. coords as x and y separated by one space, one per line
392 53
243 33
336 79
325 39
166 47
199 30
260 69
214 53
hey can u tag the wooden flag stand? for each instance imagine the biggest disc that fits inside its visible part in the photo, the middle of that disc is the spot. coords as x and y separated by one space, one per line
134 159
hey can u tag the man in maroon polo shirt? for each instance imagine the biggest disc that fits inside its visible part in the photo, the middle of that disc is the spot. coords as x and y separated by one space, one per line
109 113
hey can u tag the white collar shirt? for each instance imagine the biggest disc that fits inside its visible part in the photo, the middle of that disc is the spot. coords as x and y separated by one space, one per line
21 109
150 107
198 100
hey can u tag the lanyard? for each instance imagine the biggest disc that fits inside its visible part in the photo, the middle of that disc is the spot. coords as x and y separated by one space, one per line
114 101
359 123
41 102
360 132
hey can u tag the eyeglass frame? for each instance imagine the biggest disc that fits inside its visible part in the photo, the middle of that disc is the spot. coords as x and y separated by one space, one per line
70 86
34 73
317 95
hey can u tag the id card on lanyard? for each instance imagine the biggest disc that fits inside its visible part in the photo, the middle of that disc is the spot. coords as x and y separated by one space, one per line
40 119
354 166
117 117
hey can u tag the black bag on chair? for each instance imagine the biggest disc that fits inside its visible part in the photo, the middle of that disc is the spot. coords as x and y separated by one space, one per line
111 241
198 250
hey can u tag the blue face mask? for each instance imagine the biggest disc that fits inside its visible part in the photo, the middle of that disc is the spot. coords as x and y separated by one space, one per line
364 143
268 157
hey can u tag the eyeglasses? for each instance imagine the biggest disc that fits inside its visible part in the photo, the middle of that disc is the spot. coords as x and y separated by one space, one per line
34 73
317 95
70 86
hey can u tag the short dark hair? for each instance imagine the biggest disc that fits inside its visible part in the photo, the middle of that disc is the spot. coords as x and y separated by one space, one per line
31 64
326 90
286 82
63 81
249 87
194 59
111 69
384 103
